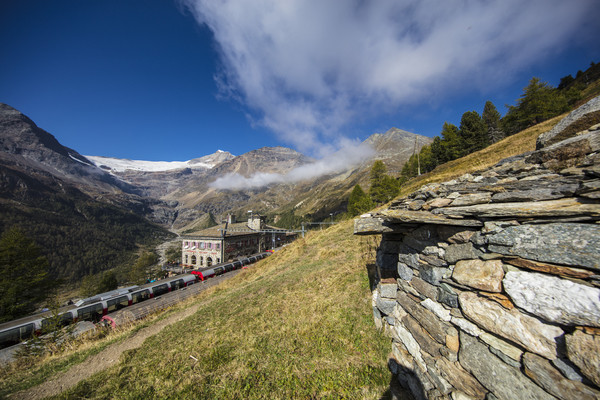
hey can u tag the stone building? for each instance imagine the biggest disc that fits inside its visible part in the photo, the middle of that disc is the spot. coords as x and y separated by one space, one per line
230 241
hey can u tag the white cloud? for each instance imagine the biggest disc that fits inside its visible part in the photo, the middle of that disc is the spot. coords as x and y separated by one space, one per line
350 154
307 68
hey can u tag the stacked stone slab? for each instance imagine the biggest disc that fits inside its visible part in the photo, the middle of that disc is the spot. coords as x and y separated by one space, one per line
489 284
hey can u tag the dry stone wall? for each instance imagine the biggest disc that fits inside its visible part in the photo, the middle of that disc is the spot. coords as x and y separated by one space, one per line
489 285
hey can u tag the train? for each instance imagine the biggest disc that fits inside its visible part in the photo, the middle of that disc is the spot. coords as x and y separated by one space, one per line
98 308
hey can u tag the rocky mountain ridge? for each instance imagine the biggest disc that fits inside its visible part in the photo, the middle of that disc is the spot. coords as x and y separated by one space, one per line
27 147
174 194
194 194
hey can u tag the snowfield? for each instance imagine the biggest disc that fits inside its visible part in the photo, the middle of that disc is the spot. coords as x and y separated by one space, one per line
121 165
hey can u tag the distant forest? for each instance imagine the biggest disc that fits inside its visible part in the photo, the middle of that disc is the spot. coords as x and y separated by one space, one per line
539 102
79 235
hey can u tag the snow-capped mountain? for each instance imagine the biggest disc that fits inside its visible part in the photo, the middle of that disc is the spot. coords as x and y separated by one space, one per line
116 165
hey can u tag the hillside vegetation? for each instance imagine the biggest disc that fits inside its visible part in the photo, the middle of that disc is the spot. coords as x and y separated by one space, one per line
78 234
296 325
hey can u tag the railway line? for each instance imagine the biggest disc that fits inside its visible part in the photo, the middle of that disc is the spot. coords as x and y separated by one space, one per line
119 307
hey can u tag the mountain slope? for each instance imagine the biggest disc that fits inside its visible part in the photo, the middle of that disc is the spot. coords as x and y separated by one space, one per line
296 325
27 147
315 198
73 210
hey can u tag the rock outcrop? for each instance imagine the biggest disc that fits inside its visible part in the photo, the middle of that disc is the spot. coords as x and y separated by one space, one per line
489 284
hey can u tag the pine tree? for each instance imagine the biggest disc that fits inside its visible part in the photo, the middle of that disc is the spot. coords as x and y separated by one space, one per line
358 202
24 278
452 141
491 118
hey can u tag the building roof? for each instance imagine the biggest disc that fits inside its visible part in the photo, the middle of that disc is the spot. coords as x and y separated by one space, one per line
216 232
236 229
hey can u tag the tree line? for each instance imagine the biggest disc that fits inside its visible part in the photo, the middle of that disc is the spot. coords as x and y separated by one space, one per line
539 102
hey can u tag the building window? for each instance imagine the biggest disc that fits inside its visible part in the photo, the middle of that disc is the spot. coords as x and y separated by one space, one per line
193 260
202 245
218 246
185 244
186 258
201 260
208 261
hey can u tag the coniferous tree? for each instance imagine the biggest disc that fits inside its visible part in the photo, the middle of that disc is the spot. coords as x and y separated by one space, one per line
24 278
491 118
383 187
358 202
438 151
539 102
473 132
453 143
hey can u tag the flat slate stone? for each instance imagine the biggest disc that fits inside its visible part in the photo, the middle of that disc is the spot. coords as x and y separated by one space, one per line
484 275
513 325
549 268
557 300
458 377
566 243
553 208
424 217
544 374
462 251
583 349
471 199
504 381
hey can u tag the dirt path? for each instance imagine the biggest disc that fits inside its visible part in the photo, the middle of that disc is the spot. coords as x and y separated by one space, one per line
109 356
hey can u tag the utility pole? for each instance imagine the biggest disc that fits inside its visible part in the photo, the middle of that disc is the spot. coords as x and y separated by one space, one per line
418 158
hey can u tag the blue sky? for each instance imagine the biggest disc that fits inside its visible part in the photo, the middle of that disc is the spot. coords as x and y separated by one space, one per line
179 79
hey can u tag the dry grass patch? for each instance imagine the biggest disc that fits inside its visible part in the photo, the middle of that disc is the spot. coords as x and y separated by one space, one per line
296 325
511 146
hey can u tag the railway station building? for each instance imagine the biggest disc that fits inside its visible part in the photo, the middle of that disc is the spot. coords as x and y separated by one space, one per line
230 241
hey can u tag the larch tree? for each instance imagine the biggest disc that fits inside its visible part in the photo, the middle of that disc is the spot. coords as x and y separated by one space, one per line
383 187
359 202
473 132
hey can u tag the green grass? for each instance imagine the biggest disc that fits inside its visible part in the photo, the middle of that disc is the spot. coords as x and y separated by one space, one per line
296 325
31 371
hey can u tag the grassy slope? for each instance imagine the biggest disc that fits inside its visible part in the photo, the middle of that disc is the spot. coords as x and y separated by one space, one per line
298 325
